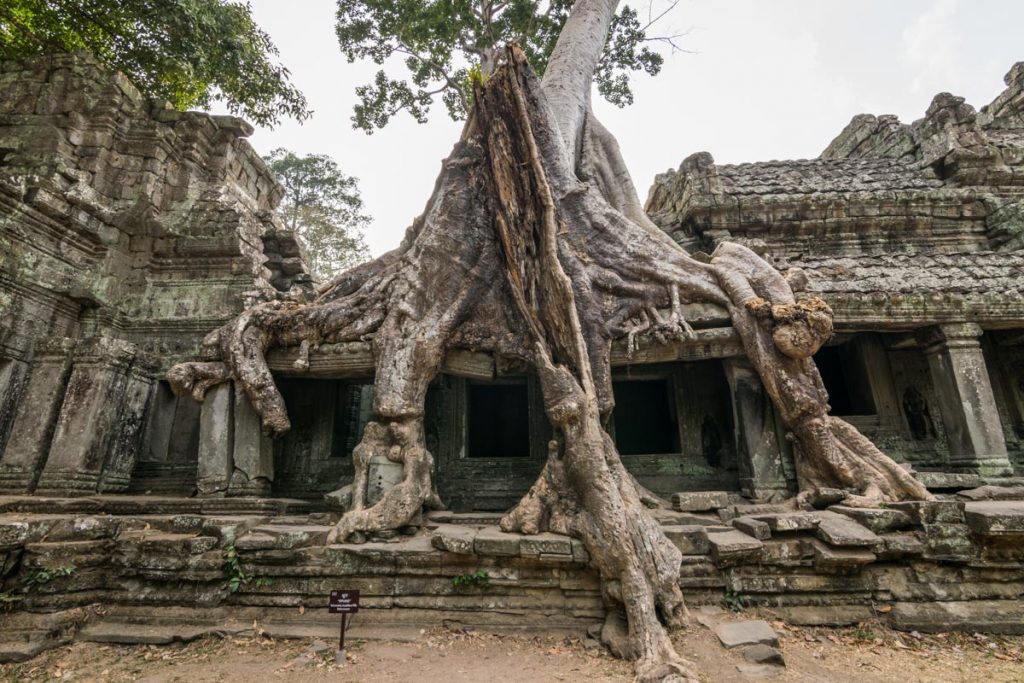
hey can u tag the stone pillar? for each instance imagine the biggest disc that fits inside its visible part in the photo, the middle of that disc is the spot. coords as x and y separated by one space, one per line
13 376
88 420
760 442
37 410
216 441
127 441
968 406
253 452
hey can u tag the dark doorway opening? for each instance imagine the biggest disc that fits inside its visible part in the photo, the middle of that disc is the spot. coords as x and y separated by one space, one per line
499 420
846 380
645 417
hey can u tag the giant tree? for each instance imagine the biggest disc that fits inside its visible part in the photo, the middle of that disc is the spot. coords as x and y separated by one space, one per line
534 246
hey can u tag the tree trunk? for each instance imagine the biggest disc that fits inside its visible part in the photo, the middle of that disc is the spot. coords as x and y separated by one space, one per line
534 246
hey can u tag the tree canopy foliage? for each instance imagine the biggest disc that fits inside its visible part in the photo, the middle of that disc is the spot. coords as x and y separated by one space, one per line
442 41
189 52
323 206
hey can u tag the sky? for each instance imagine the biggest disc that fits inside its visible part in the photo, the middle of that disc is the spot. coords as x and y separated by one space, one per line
759 80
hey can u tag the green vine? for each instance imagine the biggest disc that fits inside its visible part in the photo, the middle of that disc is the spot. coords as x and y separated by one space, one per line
45 575
734 600
235 574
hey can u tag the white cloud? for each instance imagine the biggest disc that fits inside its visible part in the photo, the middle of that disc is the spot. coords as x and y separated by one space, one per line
932 48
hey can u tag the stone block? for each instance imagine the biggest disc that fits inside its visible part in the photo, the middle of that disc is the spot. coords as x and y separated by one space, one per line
763 654
948 542
995 518
699 501
547 544
492 541
734 547
827 558
975 616
781 522
988 492
691 539
948 481
753 527
931 511
454 538
839 530
900 547
382 475
879 520
741 633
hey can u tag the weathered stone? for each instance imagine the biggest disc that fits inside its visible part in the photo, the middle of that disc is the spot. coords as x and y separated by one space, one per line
900 547
995 518
690 539
454 539
948 481
740 633
763 654
341 499
827 558
989 492
839 530
216 441
753 527
879 520
734 547
699 501
931 511
781 522
820 498
492 541
545 544
976 616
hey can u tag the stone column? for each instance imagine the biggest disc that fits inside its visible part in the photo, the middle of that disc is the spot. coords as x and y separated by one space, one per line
253 452
37 410
968 406
13 376
127 441
760 442
88 420
216 441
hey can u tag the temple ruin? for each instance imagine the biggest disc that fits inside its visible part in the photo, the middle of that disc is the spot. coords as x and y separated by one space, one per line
128 231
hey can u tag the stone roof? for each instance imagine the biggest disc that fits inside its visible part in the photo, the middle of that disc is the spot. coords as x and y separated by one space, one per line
811 176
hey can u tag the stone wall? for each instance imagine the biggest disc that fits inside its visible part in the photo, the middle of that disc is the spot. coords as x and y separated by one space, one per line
128 231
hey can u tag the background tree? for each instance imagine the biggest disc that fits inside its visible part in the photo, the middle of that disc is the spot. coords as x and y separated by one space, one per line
440 41
323 207
190 52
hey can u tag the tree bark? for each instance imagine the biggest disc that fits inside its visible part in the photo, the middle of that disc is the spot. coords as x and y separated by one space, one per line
534 246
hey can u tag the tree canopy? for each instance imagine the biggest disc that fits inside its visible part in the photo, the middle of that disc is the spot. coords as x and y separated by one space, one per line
323 206
442 41
190 52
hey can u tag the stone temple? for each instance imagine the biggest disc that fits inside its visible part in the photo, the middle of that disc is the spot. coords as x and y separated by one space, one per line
128 231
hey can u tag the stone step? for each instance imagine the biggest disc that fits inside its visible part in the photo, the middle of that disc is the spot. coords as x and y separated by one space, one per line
989 492
995 517
163 542
699 501
878 520
840 530
466 518
734 547
285 536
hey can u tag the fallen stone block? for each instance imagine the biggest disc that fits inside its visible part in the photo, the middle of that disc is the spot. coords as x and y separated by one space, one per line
931 511
734 547
739 633
839 530
821 498
900 546
763 654
984 616
827 558
948 481
691 539
753 527
454 538
995 518
879 520
781 522
492 541
988 492
699 501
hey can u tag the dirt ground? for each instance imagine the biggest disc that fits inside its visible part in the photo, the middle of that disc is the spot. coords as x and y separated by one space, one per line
868 653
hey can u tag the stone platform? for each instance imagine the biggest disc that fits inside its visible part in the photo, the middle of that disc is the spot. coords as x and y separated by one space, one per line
155 570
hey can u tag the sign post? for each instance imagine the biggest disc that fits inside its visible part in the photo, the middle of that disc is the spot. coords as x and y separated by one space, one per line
343 603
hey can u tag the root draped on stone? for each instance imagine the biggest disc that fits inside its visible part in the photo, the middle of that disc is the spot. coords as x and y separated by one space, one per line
535 249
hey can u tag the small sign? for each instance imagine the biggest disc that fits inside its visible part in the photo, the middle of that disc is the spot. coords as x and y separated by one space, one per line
343 602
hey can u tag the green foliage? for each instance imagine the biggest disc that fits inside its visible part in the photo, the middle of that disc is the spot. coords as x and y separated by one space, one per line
322 205
478 578
47 574
438 39
189 52
734 600
235 574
